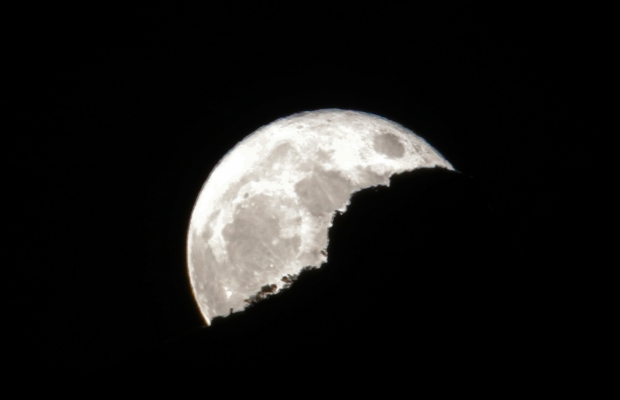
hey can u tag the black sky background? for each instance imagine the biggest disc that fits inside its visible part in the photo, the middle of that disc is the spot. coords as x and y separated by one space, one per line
133 107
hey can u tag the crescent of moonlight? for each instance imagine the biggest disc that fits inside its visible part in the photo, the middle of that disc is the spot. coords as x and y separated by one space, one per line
266 208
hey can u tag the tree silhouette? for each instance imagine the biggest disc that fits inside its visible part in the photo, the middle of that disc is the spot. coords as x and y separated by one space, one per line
263 293
268 290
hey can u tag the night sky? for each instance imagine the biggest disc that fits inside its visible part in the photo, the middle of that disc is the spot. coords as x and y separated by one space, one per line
133 107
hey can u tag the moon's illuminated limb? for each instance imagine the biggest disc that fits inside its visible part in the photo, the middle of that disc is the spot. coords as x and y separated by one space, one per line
265 210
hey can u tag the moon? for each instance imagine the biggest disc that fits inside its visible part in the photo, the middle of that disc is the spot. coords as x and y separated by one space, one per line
265 210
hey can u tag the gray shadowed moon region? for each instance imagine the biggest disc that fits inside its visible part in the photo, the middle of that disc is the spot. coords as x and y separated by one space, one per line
266 208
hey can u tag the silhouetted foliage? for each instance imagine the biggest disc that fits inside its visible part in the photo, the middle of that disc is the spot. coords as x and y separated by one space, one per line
269 290
263 293
418 270
288 280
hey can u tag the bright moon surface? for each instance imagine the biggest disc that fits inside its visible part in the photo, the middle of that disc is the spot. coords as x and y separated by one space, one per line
266 208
